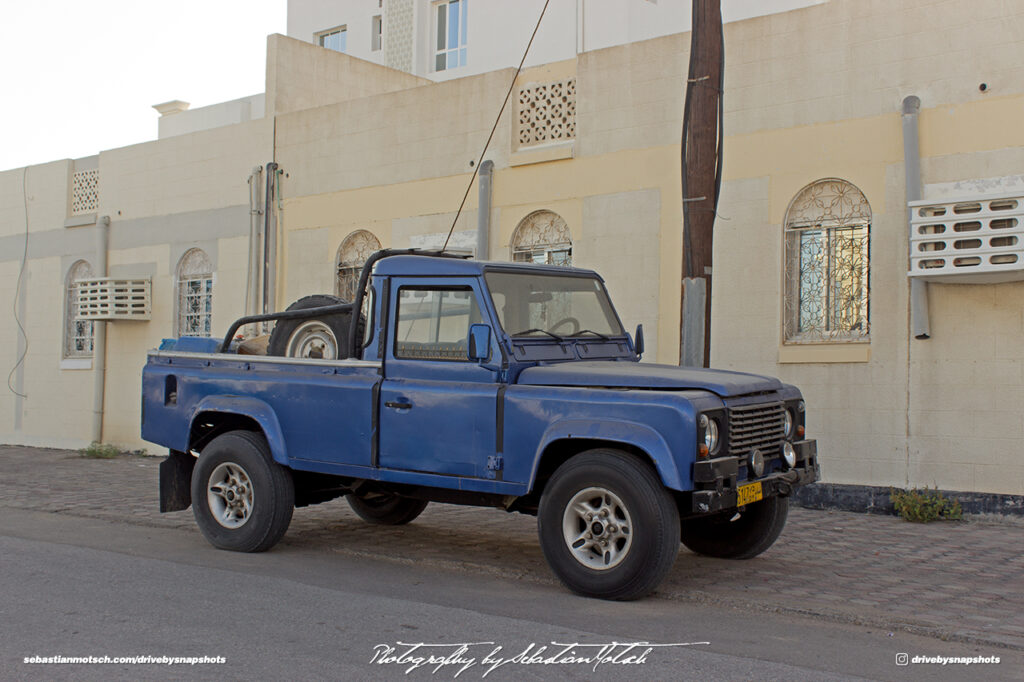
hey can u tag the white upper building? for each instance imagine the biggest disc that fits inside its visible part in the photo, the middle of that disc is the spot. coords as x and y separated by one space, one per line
442 39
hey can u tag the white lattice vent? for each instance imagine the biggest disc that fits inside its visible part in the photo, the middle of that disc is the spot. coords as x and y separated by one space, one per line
969 240
546 113
107 298
85 191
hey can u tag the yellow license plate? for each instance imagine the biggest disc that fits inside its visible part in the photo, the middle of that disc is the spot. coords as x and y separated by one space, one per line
746 494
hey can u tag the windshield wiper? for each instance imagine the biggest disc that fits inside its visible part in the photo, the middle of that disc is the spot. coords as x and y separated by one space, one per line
599 335
542 331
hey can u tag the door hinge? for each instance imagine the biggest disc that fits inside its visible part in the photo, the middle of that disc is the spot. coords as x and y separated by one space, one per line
495 464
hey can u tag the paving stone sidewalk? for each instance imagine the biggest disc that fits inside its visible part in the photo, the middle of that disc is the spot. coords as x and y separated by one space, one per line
961 581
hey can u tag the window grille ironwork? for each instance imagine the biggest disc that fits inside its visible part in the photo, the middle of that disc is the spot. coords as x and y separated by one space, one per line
195 294
827 239
78 334
542 237
546 112
352 254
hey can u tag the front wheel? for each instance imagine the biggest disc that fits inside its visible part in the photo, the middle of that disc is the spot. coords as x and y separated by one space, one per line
242 499
386 509
738 534
608 527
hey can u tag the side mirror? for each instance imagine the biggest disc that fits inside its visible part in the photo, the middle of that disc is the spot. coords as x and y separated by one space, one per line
638 340
479 342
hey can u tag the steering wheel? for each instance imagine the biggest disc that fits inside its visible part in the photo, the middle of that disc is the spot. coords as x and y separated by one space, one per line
566 320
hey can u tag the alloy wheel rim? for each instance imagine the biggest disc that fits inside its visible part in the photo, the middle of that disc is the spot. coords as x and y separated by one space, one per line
597 528
230 495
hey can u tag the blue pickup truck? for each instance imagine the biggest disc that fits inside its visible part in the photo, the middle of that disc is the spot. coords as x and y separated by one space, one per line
506 385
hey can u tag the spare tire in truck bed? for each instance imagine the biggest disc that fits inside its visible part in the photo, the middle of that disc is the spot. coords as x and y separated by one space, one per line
325 337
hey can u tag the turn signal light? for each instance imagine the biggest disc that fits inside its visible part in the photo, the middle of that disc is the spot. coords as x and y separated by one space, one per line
800 431
702 451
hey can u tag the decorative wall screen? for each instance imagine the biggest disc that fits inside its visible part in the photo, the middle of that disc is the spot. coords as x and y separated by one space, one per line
109 299
78 334
546 112
827 235
971 239
195 294
542 237
353 252
85 191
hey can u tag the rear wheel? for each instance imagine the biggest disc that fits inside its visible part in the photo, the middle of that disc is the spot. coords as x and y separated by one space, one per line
241 498
737 534
386 509
607 526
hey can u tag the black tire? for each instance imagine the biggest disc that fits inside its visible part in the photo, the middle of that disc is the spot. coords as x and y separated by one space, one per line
728 536
385 509
645 541
324 337
268 485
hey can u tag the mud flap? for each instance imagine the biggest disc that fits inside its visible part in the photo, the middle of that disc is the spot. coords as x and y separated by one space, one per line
176 481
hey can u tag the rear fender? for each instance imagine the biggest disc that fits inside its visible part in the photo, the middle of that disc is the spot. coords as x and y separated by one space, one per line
257 410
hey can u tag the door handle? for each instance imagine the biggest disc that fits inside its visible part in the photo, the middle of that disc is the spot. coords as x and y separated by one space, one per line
397 405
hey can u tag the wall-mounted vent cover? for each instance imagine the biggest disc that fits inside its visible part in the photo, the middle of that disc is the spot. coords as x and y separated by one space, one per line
970 240
109 299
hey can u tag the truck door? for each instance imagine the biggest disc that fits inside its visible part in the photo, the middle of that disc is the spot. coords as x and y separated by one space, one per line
438 409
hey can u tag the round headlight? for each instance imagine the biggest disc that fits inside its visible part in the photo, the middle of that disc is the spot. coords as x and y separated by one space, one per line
711 435
789 454
788 423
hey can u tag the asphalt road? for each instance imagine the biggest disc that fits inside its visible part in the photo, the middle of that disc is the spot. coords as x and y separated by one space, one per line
79 587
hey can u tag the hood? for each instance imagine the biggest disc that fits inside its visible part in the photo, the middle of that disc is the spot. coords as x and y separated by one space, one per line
642 375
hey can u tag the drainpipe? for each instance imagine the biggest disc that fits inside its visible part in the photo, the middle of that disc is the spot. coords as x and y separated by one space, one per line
252 277
99 335
483 212
269 242
919 325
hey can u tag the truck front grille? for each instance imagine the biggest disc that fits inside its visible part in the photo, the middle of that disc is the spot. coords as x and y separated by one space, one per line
756 426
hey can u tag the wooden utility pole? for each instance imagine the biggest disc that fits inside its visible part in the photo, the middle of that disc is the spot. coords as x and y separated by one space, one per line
701 174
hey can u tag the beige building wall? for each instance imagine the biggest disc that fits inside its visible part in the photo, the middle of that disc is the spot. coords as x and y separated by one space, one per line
943 412
162 197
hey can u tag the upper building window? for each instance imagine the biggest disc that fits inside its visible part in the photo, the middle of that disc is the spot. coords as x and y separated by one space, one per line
352 254
78 334
542 237
335 39
827 234
195 294
451 35
376 33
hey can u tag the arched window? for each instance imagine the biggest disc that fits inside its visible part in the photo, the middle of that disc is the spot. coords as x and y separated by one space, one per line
195 294
77 333
542 237
827 234
355 249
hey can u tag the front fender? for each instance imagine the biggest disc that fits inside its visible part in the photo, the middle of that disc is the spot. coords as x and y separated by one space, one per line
262 413
630 433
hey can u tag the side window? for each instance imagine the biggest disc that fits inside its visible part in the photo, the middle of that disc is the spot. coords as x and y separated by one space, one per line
433 323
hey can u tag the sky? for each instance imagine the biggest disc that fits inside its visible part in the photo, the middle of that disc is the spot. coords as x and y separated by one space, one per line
82 76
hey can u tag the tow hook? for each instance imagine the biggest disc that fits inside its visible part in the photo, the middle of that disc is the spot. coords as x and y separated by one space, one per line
785 486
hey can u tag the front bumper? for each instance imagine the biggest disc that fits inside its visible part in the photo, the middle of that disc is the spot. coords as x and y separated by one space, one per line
715 480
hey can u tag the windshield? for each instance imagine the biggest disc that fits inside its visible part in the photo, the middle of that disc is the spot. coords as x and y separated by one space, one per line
530 304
